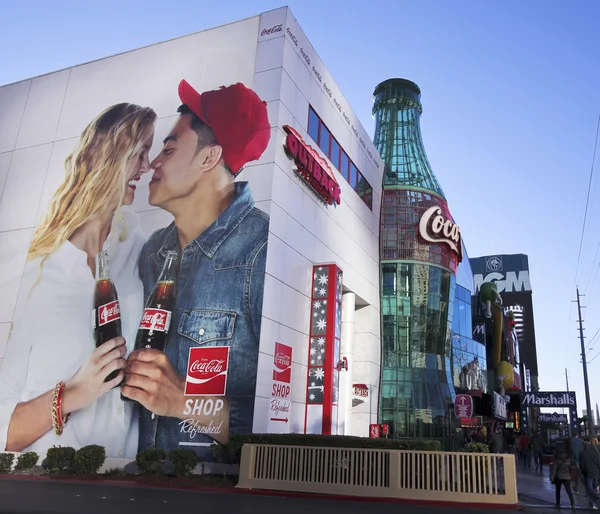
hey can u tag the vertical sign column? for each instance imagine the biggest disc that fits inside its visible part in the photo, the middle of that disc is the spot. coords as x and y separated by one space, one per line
280 405
322 390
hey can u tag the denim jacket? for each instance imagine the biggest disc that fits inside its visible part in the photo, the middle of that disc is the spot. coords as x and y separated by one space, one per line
219 295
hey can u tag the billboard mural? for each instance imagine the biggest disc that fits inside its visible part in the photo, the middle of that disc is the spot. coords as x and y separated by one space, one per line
138 319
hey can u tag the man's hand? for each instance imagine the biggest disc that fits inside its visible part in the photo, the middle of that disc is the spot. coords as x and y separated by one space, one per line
151 380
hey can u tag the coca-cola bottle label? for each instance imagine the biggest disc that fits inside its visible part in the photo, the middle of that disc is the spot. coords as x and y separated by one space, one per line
109 312
156 320
207 371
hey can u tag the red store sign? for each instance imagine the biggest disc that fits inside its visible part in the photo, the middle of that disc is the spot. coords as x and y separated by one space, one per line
313 169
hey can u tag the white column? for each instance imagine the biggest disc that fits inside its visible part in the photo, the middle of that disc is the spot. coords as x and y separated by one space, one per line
347 350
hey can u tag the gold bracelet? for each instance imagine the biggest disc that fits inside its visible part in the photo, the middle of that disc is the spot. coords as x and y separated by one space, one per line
58 421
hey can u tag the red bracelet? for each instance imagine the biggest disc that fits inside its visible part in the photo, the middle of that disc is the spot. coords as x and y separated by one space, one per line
58 422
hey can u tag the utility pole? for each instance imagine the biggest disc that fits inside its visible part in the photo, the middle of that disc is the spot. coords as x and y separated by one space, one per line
585 374
567 379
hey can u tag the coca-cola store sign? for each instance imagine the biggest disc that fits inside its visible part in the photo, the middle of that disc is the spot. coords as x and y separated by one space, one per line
312 168
207 371
434 227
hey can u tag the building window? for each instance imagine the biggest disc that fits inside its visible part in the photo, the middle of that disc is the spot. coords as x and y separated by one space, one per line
321 135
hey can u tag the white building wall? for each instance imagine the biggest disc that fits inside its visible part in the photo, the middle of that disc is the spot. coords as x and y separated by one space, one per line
307 232
42 118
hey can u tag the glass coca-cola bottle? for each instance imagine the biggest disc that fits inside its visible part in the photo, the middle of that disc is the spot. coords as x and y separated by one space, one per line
106 315
156 319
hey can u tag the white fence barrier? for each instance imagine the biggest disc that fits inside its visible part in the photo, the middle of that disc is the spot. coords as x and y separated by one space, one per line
414 475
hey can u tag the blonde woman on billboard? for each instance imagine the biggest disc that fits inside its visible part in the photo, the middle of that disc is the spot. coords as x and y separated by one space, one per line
52 388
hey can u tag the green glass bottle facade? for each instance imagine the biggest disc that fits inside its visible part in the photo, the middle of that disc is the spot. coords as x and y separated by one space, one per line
397 109
417 278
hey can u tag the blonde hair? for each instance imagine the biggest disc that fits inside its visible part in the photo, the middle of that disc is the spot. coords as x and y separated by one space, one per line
94 171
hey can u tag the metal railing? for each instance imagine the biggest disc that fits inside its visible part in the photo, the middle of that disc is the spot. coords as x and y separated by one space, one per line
414 475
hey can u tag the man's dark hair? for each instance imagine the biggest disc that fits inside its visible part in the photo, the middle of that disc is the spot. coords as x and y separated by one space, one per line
205 134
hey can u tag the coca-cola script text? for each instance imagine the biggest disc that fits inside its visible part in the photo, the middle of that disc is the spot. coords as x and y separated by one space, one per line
108 312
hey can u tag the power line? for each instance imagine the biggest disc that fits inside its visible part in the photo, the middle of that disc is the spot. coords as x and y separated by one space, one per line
588 347
592 339
587 201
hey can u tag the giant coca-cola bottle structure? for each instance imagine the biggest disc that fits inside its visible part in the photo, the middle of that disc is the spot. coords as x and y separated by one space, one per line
106 316
156 319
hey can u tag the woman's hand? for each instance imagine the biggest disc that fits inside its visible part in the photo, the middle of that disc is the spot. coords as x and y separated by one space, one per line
88 383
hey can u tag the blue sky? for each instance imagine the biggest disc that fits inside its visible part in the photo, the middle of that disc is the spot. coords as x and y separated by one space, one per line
511 97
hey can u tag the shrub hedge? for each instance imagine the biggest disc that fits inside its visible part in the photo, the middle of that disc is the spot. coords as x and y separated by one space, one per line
231 452
476 448
184 461
151 461
6 462
89 459
27 461
60 458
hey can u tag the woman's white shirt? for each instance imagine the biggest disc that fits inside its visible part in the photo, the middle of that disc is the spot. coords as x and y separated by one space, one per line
52 338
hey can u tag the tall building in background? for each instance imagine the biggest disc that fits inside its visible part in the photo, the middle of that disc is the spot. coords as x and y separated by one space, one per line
510 273
420 250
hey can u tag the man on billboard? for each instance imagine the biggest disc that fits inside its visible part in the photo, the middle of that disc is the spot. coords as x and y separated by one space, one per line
203 386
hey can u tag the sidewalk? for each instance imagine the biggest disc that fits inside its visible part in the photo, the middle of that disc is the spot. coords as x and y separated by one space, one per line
536 490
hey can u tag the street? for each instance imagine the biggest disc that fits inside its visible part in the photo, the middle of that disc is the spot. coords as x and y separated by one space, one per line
49 497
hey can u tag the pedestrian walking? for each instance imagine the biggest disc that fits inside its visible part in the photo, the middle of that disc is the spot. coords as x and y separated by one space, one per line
576 445
560 474
538 451
589 463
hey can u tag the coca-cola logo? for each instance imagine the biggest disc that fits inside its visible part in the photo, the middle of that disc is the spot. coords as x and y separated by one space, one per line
212 366
109 312
272 30
207 371
292 37
282 362
155 319
435 228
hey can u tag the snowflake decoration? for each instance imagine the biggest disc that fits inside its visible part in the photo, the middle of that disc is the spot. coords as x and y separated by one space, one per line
312 384
322 291
319 373
323 279
317 304
313 351
321 324
312 361
321 341
311 397
322 311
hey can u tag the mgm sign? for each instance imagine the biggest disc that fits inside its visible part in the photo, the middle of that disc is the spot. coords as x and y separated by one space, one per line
565 399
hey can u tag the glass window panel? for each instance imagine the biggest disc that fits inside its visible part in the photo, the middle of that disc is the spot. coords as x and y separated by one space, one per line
335 153
344 165
313 125
361 185
325 139
353 175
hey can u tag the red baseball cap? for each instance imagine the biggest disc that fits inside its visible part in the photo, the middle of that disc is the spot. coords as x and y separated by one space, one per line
237 117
